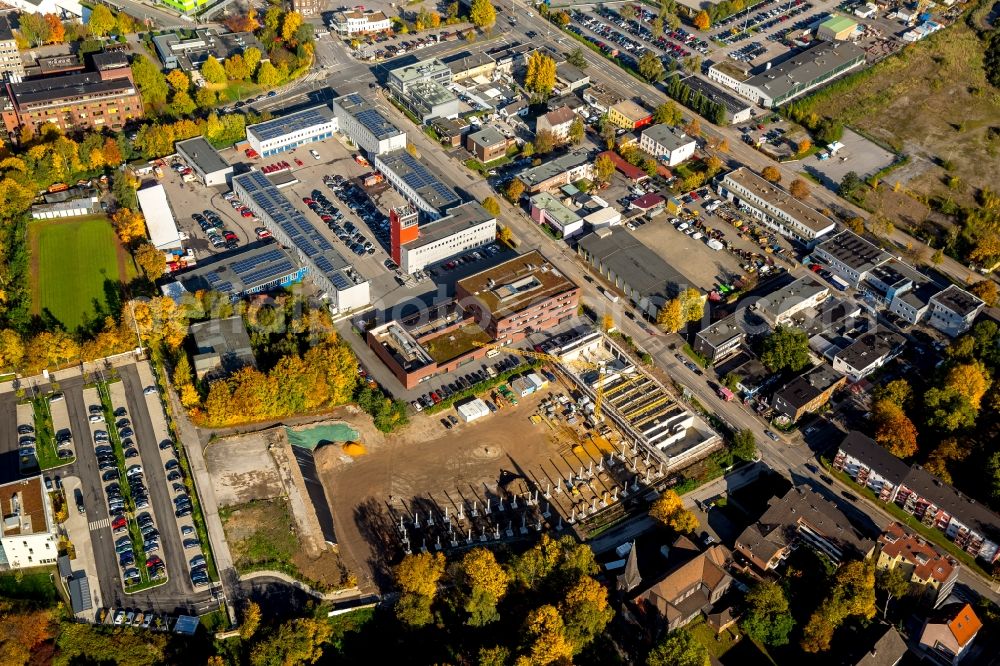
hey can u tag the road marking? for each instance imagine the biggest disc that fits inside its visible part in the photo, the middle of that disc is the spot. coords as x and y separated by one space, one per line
99 524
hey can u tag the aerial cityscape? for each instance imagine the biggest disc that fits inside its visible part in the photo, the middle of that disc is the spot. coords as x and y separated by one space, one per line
643 332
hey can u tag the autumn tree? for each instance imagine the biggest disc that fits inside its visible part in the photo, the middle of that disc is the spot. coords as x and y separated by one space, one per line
771 173
540 75
546 640
627 12
669 510
971 381
102 21
894 583
767 618
492 206
604 169
702 20
151 261
803 145
482 14
236 69
787 347
651 67
679 649
297 641
898 392
986 290
34 29
853 593
545 142
692 304
251 620
149 79
576 131
289 26
946 452
514 190
667 113
129 225
483 583
693 128
417 576
714 165
11 349
799 188
893 429
213 71
178 80
585 612
50 349
57 31
505 235
267 75
671 316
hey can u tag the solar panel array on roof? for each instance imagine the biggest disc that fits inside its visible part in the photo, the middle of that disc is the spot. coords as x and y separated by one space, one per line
312 117
369 116
418 177
292 223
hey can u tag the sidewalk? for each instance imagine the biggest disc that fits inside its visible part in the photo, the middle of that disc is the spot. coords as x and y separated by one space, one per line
78 531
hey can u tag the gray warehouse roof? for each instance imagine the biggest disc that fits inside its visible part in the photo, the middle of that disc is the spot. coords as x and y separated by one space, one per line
417 176
854 251
958 300
641 269
201 152
806 67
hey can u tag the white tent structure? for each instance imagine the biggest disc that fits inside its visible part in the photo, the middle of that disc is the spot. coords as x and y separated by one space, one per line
160 223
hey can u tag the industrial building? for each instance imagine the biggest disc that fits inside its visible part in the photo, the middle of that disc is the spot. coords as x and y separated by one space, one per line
738 110
668 144
189 53
774 207
645 278
366 126
416 182
161 224
415 246
783 82
953 310
72 102
781 305
836 28
205 160
222 346
29 537
341 284
251 269
520 296
280 134
850 256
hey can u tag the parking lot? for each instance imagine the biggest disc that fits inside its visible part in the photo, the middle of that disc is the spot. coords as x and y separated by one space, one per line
858 155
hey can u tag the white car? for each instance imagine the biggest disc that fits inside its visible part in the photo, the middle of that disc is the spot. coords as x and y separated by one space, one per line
149 390
314 154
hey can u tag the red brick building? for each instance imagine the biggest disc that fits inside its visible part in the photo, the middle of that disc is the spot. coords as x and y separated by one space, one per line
73 102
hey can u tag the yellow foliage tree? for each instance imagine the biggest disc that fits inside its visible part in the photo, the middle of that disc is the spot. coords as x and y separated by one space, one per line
970 380
545 630
129 225
669 510
771 173
51 348
289 25
702 20
419 573
11 349
671 316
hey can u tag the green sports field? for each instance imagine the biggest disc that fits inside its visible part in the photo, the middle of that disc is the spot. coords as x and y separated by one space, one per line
75 265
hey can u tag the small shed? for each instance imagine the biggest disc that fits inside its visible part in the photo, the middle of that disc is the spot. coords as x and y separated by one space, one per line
522 386
472 410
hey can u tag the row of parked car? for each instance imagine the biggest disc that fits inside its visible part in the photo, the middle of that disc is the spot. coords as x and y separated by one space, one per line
345 231
215 230
283 165
361 204
468 258
464 382
237 205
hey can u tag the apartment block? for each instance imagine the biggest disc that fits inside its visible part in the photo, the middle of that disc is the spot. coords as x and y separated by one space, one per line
927 569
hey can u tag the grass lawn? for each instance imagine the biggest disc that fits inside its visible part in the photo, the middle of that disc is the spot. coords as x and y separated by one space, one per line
35 585
76 268
46 451
717 644
451 345
259 534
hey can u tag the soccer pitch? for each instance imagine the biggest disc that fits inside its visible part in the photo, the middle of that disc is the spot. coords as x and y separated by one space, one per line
75 268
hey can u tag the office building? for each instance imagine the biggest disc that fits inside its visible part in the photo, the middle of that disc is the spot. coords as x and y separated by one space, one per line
414 180
252 269
74 102
470 65
629 115
850 256
280 134
868 353
488 144
205 160
11 64
520 296
781 305
547 210
360 22
29 538
774 207
720 340
189 53
366 126
344 288
308 7
970 524
801 517
421 88
557 172
953 310
415 246
64 9
930 571
807 393
668 144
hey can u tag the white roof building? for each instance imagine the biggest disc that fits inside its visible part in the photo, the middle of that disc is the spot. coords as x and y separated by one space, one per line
160 223
64 9
472 410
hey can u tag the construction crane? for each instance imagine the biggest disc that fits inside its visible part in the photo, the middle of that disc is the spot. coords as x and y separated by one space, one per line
549 358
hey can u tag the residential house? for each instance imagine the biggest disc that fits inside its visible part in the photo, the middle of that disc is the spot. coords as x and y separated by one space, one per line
557 121
600 99
881 645
808 392
927 569
953 310
356 22
488 144
686 590
970 524
949 632
629 115
801 516
667 143
868 353
557 172
451 131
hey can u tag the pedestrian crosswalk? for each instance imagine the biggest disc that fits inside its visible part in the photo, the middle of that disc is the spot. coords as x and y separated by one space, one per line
99 524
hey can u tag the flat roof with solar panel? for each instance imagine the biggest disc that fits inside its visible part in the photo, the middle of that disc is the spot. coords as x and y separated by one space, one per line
365 113
245 270
418 177
315 116
311 244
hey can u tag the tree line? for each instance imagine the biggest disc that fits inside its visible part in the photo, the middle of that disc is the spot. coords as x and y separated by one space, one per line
715 112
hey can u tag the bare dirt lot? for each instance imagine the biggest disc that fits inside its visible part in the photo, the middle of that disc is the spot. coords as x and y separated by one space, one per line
243 469
933 103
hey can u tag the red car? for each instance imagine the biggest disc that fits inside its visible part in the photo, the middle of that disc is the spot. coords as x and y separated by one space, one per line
119 524
298 161
326 218
262 232
307 201
247 213
229 235
153 562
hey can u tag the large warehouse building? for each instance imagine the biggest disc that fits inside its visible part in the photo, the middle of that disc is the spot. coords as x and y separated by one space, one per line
160 222
359 119
416 246
274 136
252 269
801 73
344 287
